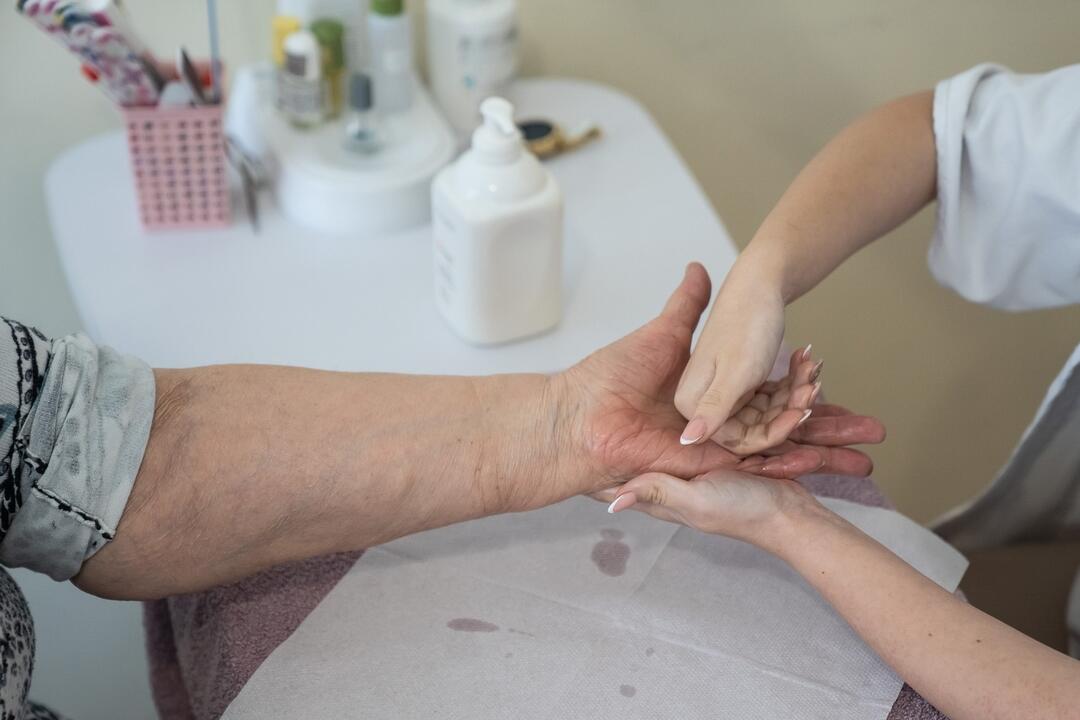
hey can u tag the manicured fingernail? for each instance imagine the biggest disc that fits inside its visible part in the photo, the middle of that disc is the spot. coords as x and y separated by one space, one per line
806 352
622 502
816 372
805 417
694 431
815 392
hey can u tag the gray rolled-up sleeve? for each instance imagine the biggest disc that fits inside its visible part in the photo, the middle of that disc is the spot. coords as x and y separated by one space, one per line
79 421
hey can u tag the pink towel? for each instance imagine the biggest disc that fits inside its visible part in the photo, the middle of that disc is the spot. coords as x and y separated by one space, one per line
204 647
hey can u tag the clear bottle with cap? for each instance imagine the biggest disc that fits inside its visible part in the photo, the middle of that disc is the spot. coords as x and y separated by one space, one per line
300 95
497 218
362 122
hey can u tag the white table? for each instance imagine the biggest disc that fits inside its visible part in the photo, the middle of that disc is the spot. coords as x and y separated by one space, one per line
634 217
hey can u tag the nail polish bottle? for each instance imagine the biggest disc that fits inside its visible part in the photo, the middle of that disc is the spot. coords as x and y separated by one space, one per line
362 122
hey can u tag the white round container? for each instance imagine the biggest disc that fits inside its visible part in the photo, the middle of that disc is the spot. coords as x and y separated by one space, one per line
320 185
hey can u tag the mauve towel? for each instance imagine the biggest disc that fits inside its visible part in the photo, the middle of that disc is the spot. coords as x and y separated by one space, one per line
204 647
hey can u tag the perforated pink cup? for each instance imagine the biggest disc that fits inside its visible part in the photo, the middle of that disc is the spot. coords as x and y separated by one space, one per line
179 166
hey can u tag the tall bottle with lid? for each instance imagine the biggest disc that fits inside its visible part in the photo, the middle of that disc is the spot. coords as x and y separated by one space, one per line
497 217
390 55
472 54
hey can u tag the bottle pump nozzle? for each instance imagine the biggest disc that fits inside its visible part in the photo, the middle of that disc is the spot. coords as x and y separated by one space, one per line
498 138
499 113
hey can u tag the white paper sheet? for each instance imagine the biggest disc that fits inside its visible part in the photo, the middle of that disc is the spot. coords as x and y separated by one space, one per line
569 612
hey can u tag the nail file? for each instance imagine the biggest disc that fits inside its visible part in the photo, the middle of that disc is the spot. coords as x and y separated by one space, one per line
94 30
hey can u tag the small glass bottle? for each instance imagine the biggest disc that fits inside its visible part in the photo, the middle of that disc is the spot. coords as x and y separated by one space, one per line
362 122
300 86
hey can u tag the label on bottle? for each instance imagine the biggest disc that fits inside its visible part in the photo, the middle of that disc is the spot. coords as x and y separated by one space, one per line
501 279
443 234
300 99
489 61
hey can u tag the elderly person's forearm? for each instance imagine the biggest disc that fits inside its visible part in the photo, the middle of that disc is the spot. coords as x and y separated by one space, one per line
251 466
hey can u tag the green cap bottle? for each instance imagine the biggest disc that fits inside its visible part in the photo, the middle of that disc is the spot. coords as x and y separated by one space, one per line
331 37
387 7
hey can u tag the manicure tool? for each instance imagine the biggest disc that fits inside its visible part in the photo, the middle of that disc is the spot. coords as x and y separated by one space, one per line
185 69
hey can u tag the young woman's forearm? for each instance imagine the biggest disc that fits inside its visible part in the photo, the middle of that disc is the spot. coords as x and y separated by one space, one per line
966 663
251 466
869 179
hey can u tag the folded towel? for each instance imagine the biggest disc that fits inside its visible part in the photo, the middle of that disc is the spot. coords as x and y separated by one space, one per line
203 647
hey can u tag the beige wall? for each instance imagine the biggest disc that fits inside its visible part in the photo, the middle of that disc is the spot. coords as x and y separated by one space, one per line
748 91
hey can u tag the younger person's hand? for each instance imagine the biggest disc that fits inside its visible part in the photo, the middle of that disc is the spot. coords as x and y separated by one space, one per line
731 360
722 502
767 416
618 420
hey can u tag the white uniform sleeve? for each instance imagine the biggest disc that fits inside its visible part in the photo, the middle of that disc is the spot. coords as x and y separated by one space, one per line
1008 160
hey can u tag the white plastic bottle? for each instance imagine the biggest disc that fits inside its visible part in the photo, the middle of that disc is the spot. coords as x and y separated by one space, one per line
472 54
390 55
497 217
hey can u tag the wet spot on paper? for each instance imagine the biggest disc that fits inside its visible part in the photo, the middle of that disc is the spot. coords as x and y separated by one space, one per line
519 632
471 625
610 554
628 690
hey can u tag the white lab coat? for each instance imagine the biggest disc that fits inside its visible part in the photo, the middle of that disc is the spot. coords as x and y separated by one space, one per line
1008 235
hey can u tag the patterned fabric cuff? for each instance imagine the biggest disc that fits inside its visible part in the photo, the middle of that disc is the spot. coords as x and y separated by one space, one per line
83 446
24 358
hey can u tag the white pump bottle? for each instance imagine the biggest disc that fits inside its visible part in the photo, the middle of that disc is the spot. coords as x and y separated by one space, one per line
497 217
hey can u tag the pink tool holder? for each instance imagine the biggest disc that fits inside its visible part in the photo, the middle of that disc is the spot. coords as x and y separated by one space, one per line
179 166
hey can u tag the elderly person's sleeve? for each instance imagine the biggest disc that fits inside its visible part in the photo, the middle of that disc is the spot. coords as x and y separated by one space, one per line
1008 157
74 421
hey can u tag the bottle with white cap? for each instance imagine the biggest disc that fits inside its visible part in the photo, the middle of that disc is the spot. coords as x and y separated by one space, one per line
300 89
497 217
472 53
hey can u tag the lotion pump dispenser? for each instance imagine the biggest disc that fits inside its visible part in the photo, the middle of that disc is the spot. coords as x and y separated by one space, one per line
497 217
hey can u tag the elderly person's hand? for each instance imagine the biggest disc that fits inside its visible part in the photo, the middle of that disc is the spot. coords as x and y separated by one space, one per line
619 413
